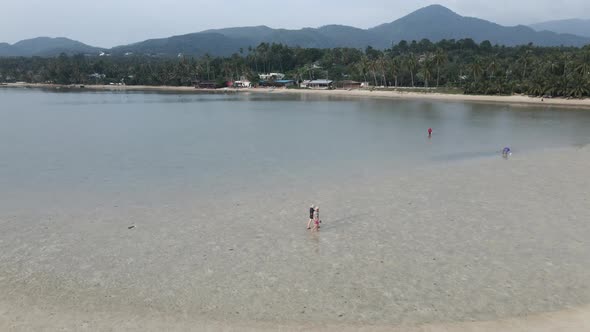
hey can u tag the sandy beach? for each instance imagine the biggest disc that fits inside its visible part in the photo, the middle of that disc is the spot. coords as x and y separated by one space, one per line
481 245
515 100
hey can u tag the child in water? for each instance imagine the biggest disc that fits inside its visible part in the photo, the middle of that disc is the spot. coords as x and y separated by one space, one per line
316 219
506 152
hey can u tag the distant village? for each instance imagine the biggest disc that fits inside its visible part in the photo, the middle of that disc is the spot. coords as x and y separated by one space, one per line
278 80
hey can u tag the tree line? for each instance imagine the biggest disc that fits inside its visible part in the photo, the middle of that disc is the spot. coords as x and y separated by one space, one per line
464 64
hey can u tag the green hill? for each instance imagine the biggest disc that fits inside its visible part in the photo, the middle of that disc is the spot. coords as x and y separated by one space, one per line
433 22
437 22
45 46
573 26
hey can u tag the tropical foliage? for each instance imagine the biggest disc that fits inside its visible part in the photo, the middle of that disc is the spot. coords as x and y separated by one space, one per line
474 68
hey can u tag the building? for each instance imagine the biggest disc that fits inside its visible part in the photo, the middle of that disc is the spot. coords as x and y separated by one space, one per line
318 84
205 84
242 84
271 76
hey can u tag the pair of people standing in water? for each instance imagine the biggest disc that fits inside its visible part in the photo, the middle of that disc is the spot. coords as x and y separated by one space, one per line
314 216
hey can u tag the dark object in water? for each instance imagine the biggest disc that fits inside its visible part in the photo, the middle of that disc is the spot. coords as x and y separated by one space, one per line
131 227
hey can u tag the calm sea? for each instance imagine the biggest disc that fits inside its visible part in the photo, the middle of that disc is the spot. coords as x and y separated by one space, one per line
127 141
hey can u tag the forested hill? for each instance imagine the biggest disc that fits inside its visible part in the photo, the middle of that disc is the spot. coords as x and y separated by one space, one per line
434 23
437 22
46 47
572 26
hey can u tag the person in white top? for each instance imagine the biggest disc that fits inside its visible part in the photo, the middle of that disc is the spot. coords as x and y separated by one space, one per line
316 219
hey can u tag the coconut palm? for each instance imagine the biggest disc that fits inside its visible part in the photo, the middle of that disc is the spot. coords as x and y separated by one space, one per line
578 91
373 66
382 65
524 60
362 67
440 58
476 69
583 68
493 66
394 67
411 64
426 71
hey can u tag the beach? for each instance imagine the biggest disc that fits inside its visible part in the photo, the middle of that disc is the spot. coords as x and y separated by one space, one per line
479 245
355 93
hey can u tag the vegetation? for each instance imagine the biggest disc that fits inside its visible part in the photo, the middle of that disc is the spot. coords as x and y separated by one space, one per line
452 64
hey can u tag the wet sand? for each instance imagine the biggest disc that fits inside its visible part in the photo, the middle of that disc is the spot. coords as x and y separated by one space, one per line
481 245
514 100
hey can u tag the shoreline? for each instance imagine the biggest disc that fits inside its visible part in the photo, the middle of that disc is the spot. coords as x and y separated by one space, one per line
479 244
357 93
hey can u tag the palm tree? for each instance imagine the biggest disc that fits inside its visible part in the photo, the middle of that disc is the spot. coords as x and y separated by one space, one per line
524 59
363 66
578 91
411 65
584 67
373 65
476 68
440 58
493 66
553 65
426 71
566 58
207 63
394 66
382 63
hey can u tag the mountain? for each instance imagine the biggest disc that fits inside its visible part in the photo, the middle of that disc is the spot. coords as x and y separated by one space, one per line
434 22
45 46
328 36
5 49
195 44
573 26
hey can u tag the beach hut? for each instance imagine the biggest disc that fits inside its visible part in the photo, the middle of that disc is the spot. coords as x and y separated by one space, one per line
242 84
320 84
205 84
304 84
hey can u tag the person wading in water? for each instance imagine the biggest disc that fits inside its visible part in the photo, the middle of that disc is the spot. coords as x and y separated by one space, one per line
311 211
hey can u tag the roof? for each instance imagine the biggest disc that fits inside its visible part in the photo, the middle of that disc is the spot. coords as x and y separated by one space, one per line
284 81
321 82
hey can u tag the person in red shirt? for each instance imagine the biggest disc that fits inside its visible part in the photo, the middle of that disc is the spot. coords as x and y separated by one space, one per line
429 132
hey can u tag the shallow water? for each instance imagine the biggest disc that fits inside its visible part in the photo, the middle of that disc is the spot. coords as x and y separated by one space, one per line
218 186
105 141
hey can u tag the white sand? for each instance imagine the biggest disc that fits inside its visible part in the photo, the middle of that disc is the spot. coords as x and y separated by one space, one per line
516 99
486 245
483 245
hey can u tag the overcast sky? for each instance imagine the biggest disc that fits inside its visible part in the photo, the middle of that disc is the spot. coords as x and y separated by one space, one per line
107 23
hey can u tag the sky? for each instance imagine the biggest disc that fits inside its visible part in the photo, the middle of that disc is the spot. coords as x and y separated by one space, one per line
107 23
